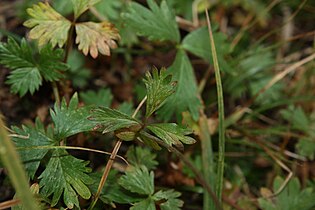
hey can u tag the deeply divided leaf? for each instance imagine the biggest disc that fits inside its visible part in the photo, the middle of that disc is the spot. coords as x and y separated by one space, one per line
28 69
159 88
157 23
26 141
71 119
67 175
138 180
186 94
147 204
172 134
48 26
108 120
96 38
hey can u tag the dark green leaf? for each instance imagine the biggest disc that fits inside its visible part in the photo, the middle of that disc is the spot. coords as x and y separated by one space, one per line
110 8
126 108
172 202
159 87
158 23
147 204
71 119
31 137
138 180
172 133
112 192
291 198
110 120
186 95
64 174
27 70
102 97
138 156
202 47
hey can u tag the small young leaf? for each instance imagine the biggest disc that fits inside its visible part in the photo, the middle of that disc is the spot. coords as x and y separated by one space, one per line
28 71
186 94
96 37
110 120
68 175
103 97
80 6
159 88
138 156
172 133
147 204
138 180
172 202
32 137
70 120
48 26
158 23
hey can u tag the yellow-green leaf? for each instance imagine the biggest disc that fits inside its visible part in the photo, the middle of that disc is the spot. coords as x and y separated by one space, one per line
47 25
96 37
80 6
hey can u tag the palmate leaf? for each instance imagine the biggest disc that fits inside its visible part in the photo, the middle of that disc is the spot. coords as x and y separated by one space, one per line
159 87
109 120
48 26
186 94
31 137
172 134
291 198
80 6
71 119
138 180
64 174
172 202
96 37
158 23
28 70
147 204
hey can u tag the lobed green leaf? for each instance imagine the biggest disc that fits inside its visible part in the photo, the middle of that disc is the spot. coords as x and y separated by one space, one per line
172 134
158 23
159 88
67 175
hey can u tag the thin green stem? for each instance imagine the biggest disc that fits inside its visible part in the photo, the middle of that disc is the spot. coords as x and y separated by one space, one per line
220 168
13 164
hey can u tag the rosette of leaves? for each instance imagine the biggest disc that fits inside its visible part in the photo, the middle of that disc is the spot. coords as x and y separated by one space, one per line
48 26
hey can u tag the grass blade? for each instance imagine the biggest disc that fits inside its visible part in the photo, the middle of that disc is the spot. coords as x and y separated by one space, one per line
220 169
13 164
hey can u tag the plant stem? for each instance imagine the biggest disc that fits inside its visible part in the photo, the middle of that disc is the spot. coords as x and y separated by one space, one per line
13 164
111 161
56 92
220 168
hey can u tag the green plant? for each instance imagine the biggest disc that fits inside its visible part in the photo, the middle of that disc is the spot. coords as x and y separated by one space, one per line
269 118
